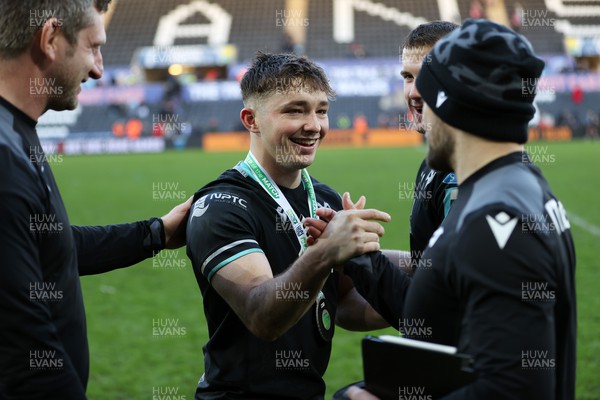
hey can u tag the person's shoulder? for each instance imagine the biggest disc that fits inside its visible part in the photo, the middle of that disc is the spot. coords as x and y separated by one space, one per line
480 234
12 152
10 141
230 191
14 164
230 181
515 186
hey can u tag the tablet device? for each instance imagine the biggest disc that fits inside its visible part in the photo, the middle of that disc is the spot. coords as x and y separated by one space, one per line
400 368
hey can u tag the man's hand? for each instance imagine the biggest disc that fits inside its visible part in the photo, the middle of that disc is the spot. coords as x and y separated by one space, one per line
356 393
350 233
349 205
315 227
174 223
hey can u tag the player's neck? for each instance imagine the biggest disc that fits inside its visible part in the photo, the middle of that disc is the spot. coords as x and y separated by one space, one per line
472 153
13 90
288 178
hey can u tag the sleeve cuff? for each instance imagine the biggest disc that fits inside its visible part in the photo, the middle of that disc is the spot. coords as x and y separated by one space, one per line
155 236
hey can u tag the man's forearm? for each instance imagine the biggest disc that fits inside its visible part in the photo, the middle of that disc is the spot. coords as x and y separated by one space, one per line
105 248
354 313
277 304
254 296
381 283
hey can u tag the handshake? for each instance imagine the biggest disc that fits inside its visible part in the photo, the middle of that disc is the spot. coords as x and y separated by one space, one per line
348 233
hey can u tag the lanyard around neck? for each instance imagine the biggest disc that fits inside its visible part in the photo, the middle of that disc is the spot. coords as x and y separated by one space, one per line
258 173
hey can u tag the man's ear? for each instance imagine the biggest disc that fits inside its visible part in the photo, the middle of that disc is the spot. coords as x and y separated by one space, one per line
49 38
248 118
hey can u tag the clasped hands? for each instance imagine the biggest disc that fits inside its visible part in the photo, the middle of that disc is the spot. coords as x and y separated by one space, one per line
350 229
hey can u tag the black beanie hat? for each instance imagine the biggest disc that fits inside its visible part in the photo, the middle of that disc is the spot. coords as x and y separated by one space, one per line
481 78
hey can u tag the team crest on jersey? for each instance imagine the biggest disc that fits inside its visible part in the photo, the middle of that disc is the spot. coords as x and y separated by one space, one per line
200 207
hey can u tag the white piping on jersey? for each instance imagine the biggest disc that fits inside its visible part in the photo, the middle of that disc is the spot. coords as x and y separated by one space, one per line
224 248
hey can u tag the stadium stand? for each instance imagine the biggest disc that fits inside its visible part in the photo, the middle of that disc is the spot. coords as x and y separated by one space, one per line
380 38
366 39
544 38
254 28
135 24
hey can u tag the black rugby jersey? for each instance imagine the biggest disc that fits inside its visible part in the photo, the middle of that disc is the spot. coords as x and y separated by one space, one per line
434 193
242 218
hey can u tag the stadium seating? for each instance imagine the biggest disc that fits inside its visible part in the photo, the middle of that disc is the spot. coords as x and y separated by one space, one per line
377 32
378 37
544 39
135 22
254 26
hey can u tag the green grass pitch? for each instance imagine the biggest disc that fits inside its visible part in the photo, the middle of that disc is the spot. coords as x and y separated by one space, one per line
129 362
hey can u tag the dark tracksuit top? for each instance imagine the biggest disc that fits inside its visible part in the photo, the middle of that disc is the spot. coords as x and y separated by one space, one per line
43 343
497 281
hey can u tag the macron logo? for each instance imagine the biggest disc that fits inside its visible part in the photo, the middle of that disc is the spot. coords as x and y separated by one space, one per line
502 227
441 98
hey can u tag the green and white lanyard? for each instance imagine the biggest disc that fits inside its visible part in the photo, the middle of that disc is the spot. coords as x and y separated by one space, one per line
258 173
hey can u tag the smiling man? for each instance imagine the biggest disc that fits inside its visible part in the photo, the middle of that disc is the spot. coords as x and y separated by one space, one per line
270 299
434 190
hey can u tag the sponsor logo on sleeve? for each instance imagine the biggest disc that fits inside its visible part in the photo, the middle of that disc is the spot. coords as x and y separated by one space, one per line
221 197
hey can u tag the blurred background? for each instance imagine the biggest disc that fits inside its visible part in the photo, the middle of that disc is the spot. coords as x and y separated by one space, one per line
172 68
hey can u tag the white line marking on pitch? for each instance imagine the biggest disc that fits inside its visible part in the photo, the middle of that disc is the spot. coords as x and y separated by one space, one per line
584 224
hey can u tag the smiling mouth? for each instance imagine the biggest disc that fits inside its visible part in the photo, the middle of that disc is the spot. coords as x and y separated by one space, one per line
418 109
304 142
